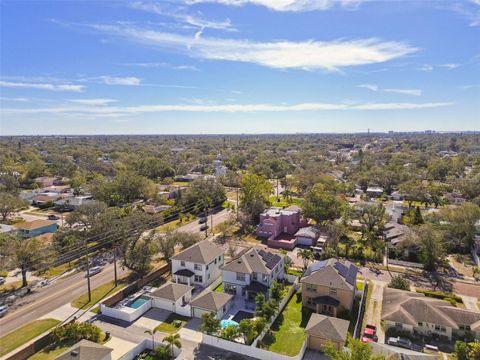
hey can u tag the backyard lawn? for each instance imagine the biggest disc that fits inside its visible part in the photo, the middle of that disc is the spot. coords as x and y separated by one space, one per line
24 334
288 331
173 319
98 294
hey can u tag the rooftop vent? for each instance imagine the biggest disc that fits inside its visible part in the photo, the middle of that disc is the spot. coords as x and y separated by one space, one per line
74 353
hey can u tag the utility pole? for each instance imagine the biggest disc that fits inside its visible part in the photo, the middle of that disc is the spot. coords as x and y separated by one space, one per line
206 223
278 195
237 205
88 274
115 264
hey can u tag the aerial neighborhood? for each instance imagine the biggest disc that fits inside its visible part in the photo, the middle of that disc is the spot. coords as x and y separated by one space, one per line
265 258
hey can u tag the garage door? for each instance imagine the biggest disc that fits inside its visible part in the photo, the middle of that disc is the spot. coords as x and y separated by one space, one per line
304 241
163 304
199 312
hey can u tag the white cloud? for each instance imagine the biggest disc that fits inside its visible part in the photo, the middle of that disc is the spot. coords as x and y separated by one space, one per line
93 102
18 99
307 55
426 68
113 111
178 15
43 86
286 5
450 66
369 86
114 80
373 87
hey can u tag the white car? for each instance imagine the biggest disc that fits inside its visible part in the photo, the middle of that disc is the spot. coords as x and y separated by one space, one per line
3 310
95 270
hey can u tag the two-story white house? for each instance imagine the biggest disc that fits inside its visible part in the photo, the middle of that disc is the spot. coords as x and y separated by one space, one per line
198 265
252 271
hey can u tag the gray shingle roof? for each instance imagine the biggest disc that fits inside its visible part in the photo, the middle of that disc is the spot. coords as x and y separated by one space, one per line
254 260
308 231
211 300
203 252
85 350
172 291
410 308
327 327
331 273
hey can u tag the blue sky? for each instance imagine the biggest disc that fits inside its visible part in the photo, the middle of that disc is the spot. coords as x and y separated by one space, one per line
238 66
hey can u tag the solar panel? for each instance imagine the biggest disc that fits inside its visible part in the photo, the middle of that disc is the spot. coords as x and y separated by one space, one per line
352 275
316 266
342 269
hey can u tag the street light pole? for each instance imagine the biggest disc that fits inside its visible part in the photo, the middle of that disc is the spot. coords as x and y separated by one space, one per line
88 274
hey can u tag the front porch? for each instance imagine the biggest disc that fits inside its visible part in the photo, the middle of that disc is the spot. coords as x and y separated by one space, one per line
183 276
326 305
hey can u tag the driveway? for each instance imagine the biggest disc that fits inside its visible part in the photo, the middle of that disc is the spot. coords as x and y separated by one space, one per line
373 312
470 302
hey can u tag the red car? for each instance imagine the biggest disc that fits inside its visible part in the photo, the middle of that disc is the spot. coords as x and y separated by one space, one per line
370 334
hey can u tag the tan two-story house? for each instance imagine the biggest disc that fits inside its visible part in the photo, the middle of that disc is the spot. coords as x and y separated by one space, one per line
329 286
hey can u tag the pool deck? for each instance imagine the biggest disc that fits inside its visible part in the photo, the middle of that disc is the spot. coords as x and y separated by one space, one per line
239 304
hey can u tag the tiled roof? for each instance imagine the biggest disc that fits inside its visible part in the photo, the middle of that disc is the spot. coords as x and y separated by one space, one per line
254 260
172 291
327 327
85 350
211 300
35 224
332 273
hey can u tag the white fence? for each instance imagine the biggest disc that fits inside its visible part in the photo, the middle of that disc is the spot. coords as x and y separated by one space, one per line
251 351
184 310
291 278
148 344
476 259
126 313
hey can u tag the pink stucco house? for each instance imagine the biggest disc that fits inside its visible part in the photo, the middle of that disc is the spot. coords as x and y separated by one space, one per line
279 226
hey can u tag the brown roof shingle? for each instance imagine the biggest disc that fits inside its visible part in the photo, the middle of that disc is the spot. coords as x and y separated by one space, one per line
85 350
172 291
327 327
35 224
211 300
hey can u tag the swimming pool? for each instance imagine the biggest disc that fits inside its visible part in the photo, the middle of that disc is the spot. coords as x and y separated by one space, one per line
139 301
227 322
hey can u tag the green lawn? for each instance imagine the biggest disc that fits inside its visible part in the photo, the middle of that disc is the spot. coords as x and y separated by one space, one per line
288 331
50 352
219 288
168 325
24 334
98 294
55 271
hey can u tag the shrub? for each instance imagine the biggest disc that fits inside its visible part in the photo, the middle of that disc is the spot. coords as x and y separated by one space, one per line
75 331
398 282
394 332
452 298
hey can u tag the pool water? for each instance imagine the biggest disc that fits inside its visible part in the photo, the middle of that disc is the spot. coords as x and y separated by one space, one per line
227 322
135 304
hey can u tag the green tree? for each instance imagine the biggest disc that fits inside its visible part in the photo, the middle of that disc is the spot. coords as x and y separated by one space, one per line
248 328
431 246
461 350
162 353
152 334
306 255
399 282
210 324
276 290
460 224
86 216
322 205
9 204
173 341
255 193
357 350
229 333
166 245
138 252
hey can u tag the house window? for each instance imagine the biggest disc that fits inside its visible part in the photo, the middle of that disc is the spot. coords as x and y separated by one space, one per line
420 324
440 328
333 291
465 327
198 278
208 277
197 267
309 301
265 278
182 263
311 288
254 276
215 260
399 325
240 276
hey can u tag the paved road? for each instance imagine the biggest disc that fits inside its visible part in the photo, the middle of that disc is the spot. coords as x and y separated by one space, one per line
44 300
63 291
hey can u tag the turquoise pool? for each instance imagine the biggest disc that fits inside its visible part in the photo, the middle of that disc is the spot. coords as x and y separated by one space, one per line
227 322
139 301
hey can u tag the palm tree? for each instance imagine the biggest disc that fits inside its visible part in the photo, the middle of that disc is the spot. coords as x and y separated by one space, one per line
152 334
173 340
306 255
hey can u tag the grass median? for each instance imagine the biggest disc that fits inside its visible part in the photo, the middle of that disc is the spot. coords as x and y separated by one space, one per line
24 334
98 294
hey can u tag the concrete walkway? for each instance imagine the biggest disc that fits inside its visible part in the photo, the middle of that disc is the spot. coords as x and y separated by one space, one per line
373 312
470 302
120 346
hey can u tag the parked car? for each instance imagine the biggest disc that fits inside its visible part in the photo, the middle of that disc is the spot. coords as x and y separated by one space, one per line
203 227
317 251
95 270
2 280
400 342
3 310
202 220
369 334
53 217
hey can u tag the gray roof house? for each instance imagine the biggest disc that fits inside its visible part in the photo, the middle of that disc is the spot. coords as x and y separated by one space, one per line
411 311
251 271
329 286
173 297
86 350
199 265
321 329
211 302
